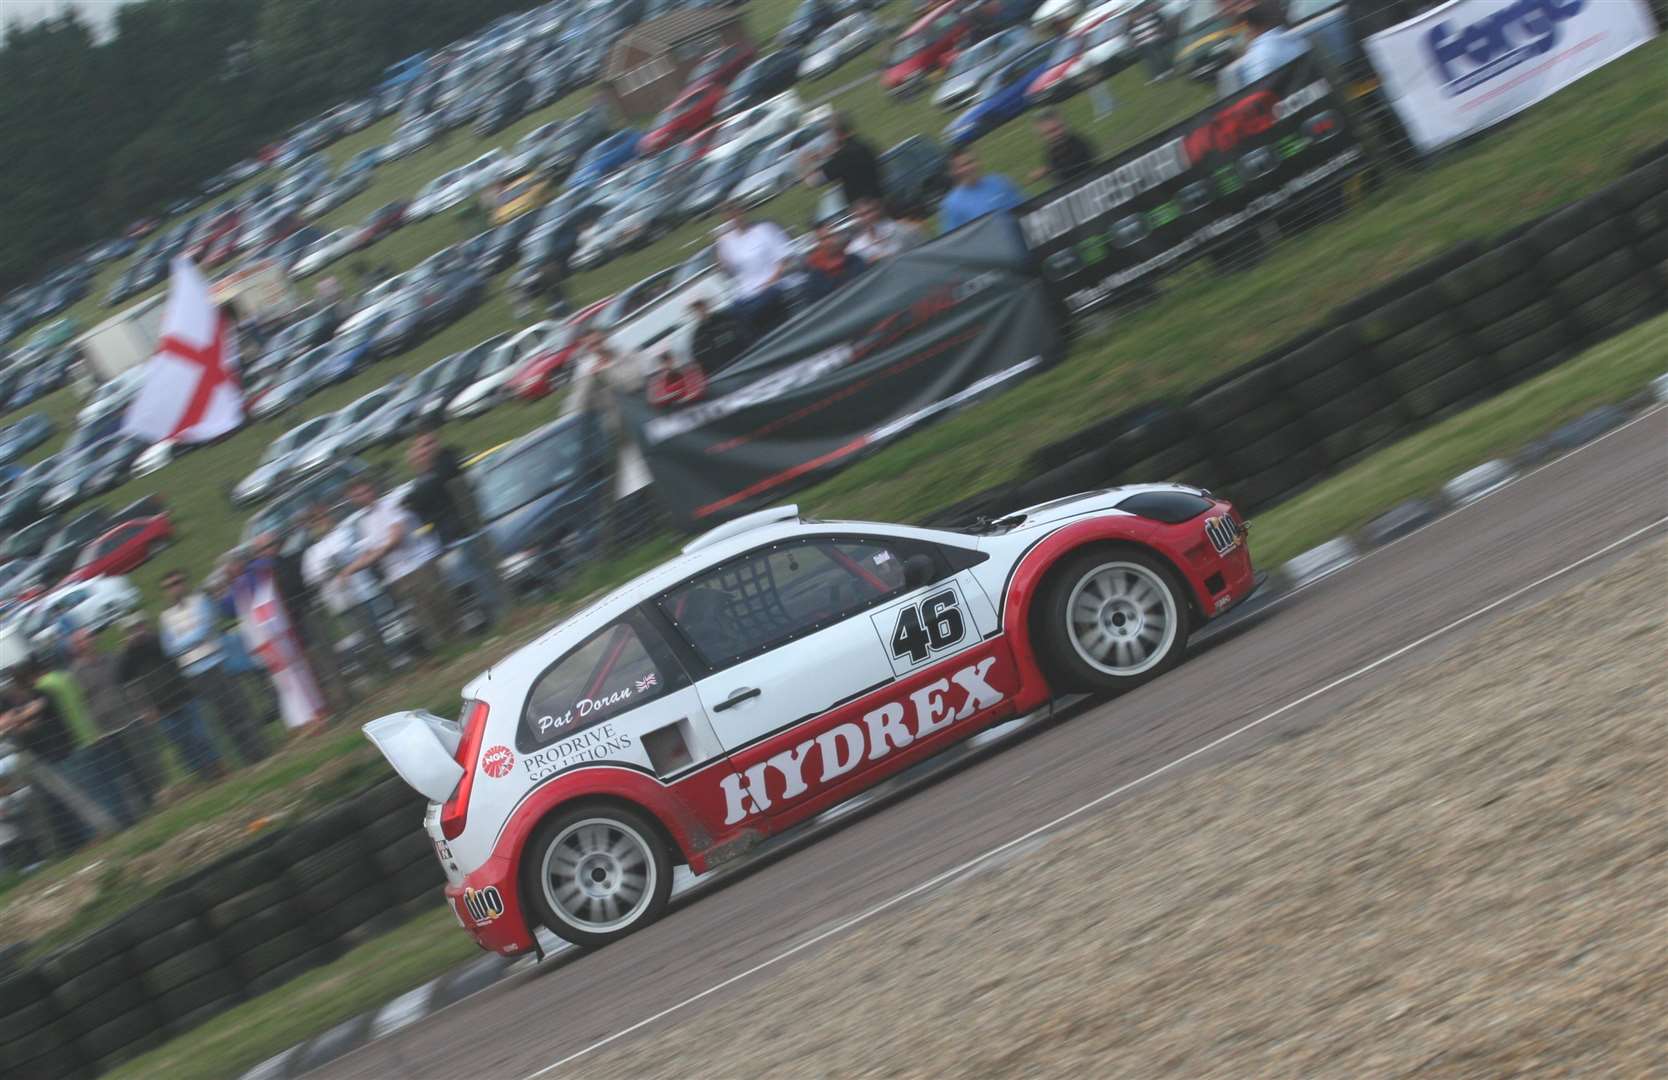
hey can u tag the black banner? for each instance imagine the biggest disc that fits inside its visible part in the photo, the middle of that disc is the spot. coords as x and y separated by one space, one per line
910 340
1275 149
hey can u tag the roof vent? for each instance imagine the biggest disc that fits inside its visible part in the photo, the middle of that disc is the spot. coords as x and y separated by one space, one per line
745 523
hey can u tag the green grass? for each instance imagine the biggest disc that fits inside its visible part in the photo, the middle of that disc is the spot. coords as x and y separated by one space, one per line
1422 463
367 977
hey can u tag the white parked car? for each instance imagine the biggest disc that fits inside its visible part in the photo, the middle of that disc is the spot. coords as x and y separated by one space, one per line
1050 12
337 441
773 670
154 458
779 166
324 251
834 46
273 467
111 397
968 70
91 605
777 116
452 188
492 378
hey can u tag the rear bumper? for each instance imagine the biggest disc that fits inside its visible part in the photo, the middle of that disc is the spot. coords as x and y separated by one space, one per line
487 904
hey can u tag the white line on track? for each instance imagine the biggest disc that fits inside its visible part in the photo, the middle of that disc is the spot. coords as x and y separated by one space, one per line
975 862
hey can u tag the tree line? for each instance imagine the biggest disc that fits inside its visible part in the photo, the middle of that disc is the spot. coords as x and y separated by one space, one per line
97 133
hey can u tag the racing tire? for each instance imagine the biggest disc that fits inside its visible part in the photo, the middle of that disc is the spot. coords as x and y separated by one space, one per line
194 963
420 879
263 957
15 1025
112 1037
394 857
163 944
260 927
391 828
589 861
1111 618
101 978
264 897
218 986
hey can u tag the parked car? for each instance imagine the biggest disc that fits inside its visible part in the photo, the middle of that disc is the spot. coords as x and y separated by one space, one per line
837 44
688 113
491 383
324 251
721 66
1001 98
778 165
765 78
23 436
603 158
924 47
345 434
573 140
293 500
551 367
111 398
972 65
272 469
85 605
123 549
597 746
1098 47
541 500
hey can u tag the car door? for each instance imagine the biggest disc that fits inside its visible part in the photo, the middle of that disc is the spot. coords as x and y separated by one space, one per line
793 650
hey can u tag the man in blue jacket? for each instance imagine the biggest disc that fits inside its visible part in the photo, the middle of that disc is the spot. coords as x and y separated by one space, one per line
976 193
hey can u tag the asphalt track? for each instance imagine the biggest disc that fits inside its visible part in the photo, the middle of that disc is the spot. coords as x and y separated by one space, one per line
1304 666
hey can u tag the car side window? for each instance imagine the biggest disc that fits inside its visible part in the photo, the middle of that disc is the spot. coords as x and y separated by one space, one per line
772 595
615 670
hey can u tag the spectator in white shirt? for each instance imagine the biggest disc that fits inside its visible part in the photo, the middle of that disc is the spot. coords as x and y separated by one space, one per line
1271 48
350 598
408 557
877 236
755 255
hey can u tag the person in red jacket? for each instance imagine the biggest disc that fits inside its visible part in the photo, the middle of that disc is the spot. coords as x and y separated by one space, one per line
674 384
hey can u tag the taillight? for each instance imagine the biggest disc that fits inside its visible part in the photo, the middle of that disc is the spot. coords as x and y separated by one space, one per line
455 814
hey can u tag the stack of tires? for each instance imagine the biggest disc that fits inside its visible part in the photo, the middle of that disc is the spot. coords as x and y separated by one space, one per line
1515 322
35 1037
106 1006
180 960
1149 442
1260 443
1640 200
265 934
399 850
1416 345
328 871
1347 407
1587 257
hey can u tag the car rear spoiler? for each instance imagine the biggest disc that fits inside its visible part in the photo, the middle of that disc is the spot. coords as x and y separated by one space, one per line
422 747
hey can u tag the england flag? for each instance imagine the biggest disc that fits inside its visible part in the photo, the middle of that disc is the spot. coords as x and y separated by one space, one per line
189 392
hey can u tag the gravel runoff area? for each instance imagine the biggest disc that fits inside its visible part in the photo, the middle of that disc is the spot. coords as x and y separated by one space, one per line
1463 874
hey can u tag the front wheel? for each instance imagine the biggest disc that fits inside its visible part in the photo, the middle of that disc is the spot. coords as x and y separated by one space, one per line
595 873
1112 619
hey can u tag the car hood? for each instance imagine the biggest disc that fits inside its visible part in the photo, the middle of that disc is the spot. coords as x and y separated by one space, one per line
263 478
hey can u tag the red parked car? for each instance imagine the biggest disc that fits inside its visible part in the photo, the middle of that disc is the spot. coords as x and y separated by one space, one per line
545 371
122 548
215 236
381 223
721 66
926 45
685 116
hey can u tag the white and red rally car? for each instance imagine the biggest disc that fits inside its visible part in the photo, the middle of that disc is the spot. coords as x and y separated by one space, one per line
775 668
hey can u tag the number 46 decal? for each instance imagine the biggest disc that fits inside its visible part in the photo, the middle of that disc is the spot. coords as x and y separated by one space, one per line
928 626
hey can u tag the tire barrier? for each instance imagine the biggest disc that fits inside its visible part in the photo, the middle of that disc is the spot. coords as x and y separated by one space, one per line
257 917
1460 327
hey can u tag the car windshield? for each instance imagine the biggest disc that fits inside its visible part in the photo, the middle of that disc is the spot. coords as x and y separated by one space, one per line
972 58
506 481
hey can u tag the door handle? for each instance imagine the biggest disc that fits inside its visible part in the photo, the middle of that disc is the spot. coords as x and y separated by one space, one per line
737 697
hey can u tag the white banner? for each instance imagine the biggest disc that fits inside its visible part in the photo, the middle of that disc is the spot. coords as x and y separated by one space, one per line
1468 64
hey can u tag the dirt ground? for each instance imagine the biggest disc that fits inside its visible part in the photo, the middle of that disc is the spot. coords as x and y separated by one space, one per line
1465 875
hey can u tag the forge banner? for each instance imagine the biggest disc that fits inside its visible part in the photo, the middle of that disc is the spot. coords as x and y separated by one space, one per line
910 340
1280 149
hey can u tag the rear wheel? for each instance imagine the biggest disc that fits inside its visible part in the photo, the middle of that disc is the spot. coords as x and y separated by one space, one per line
595 873
1111 619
